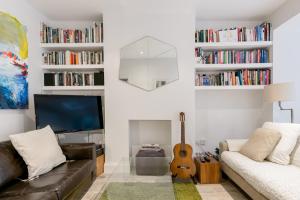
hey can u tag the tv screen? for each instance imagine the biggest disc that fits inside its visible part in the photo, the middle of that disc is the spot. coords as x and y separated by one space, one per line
68 113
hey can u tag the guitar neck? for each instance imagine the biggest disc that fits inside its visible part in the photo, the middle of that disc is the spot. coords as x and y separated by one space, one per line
182 134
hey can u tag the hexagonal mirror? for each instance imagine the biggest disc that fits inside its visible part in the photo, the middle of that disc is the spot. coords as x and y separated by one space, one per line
148 63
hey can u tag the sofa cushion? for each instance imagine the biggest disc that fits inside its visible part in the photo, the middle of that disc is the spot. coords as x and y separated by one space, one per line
39 149
295 156
12 165
274 181
62 180
260 144
289 134
235 144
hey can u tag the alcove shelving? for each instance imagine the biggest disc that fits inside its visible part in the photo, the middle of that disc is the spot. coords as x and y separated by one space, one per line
77 51
257 72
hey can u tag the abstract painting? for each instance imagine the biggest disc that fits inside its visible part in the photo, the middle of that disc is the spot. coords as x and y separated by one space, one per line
13 67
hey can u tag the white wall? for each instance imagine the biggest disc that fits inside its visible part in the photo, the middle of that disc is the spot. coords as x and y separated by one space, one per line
222 115
284 13
16 121
287 64
170 21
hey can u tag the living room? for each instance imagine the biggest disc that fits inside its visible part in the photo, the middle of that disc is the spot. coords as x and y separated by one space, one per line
168 95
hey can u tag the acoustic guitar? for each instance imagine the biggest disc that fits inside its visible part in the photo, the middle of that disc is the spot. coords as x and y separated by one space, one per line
183 165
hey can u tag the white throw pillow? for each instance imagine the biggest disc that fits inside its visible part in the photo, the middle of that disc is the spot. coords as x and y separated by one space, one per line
235 144
295 157
39 149
289 135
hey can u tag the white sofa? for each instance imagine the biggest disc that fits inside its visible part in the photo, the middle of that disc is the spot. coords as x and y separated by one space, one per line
263 180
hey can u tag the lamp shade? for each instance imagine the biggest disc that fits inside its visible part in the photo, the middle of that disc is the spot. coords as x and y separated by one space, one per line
279 92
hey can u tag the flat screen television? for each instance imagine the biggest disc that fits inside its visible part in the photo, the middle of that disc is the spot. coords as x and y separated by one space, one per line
68 113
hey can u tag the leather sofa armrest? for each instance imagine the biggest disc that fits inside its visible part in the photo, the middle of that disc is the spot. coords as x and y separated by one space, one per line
223 147
79 151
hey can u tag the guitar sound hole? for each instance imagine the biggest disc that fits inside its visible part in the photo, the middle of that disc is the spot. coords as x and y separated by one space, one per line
182 153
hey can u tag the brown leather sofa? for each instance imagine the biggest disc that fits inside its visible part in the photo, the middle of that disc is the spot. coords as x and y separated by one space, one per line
68 181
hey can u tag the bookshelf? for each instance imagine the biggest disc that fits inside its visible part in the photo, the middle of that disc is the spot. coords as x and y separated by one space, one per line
251 59
224 67
234 45
71 46
72 51
73 67
245 87
72 88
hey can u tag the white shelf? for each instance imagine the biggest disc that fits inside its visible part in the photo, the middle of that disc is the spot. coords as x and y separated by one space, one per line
234 45
72 67
224 67
66 88
71 46
243 87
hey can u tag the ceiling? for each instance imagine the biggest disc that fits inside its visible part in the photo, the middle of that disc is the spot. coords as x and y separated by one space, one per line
236 9
205 9
68 9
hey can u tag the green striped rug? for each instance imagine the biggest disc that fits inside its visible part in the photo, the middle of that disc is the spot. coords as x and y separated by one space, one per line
150 191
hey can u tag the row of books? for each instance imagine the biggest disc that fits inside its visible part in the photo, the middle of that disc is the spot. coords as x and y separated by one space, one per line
73 79
234 78
92 34
73 58
232 56
261 32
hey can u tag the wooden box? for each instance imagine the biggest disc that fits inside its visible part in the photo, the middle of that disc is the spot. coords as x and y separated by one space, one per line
208 172
100 165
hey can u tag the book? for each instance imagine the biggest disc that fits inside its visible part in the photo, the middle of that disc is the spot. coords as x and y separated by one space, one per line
260 32
74 78
232 56
234 78
73 57
92 34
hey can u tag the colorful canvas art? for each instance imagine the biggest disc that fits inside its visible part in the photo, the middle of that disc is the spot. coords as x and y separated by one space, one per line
13 67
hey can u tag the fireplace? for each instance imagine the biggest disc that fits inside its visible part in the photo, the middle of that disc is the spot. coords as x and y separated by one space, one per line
147 159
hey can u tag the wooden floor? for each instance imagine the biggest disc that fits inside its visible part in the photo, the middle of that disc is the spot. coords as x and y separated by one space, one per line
227 190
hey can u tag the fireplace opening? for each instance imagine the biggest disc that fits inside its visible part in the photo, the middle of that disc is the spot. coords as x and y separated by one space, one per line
150 147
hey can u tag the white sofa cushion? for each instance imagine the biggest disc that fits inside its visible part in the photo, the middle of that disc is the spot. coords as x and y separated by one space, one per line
289 135
274 181
235 144
295 157
260 144
39 149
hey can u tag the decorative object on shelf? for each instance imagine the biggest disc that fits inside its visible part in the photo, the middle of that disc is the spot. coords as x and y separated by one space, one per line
280 92
148 63
183 165
13 66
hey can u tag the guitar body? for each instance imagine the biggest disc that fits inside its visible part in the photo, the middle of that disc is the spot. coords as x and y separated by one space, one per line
183 165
